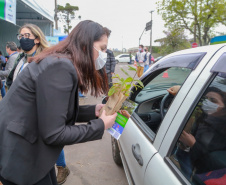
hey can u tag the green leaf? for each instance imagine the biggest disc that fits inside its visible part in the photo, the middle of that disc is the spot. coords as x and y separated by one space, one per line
132 68
111 91
122 79
128 86
124 71
129 79
140 83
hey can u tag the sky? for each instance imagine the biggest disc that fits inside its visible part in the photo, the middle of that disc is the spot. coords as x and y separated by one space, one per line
125 18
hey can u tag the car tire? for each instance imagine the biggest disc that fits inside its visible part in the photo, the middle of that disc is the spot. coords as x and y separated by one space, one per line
116 152
117 61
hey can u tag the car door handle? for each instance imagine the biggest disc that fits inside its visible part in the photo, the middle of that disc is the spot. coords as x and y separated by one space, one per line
137 155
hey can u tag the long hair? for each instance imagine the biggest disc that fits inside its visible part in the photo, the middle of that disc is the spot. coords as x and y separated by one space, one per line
78 47
37 32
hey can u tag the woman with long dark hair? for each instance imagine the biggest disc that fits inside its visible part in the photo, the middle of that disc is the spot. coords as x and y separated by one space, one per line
38 114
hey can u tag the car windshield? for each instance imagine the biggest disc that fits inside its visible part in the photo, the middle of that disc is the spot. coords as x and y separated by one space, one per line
158 86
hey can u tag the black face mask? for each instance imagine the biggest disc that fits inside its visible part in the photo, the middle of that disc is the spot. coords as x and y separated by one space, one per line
145 50
27 44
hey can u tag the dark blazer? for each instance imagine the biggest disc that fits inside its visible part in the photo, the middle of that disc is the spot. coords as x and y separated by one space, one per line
37 118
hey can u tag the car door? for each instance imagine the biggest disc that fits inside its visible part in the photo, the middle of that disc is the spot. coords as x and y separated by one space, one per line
122 58
180 163
146 129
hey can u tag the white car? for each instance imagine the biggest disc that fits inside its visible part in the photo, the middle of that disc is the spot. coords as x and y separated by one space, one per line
124 58
180 139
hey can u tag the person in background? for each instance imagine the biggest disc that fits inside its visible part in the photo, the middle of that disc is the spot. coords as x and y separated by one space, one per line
11 49
110 66
81 95
2 67
2 61
130 58
32 41
148 59
19 49
47 89
140 59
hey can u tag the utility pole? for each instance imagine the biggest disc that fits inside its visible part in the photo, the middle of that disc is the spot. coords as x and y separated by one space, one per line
55 16
151 30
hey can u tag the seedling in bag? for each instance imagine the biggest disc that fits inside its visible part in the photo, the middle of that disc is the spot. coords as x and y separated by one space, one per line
120 90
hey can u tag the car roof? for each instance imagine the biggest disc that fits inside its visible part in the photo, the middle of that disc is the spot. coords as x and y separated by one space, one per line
197 50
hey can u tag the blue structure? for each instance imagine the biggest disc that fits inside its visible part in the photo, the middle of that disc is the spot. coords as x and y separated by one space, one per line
218 40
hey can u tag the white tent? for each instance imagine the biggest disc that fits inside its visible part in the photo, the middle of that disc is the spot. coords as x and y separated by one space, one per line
27 11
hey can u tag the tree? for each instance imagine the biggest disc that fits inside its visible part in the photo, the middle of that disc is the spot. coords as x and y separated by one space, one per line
175 40
68 14
200 17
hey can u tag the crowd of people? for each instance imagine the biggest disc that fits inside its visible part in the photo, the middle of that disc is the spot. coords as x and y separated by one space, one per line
37 77
44 81
143 60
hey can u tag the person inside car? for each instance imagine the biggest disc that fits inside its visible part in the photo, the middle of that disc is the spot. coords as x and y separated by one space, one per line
202 148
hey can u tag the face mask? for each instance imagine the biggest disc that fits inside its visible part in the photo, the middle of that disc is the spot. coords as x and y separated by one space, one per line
209 107
27 44
145 50
140 49
101 60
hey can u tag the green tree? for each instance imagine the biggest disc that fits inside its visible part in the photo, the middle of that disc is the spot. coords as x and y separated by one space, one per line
200 17
175 40
68 14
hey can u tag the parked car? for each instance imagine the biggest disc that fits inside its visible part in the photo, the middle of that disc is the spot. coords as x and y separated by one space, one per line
178 139
124 58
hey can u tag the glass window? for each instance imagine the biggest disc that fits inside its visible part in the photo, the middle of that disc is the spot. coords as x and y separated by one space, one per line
154 100
200 151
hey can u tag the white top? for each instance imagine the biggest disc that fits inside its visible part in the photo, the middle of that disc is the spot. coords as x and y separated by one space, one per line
21 65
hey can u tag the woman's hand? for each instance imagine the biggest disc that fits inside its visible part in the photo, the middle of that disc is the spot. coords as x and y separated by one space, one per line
109 121
97 109
174 90
187 139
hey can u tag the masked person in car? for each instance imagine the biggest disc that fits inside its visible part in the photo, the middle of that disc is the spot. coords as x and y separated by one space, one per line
203 142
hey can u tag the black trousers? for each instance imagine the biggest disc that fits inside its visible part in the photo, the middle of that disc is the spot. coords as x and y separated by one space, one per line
49 179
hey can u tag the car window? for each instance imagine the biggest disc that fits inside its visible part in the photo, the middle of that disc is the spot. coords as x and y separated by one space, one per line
150 98
123 56
200 151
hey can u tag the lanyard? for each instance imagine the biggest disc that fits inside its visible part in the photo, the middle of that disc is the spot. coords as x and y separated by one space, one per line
24 62
13 54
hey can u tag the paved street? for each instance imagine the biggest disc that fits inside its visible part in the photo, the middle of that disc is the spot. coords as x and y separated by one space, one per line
91 163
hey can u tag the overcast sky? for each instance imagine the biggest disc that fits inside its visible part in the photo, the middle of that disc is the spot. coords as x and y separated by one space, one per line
125 18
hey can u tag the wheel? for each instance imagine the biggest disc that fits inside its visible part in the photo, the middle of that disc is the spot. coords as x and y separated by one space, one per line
116 151
162 105
117 61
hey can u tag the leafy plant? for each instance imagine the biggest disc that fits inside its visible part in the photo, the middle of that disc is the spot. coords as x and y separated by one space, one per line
124 85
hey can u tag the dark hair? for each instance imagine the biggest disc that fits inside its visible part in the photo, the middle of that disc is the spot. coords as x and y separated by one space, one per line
12 46
19 47
78 47
0 53
141 46
220 92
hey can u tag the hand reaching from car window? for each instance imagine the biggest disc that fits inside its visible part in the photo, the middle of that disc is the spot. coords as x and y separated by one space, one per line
174 90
